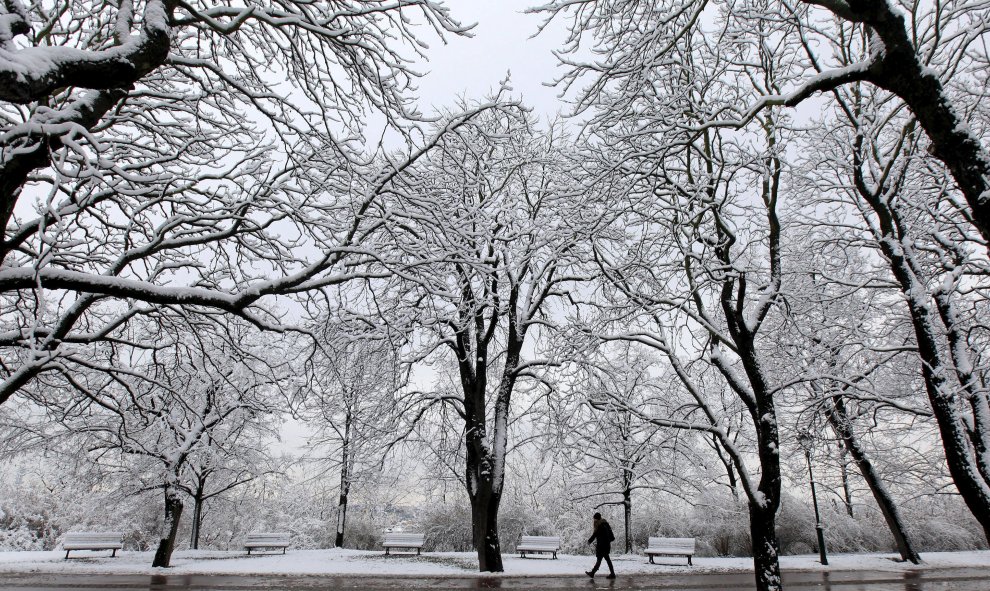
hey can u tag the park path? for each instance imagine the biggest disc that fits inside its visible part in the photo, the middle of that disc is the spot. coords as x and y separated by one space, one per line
957 579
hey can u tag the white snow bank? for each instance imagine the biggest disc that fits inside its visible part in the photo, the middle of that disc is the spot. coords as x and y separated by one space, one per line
440 564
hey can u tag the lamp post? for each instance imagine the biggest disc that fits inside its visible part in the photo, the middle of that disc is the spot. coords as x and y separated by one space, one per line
805 440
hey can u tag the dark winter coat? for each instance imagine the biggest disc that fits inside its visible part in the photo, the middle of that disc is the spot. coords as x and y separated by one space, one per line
603 538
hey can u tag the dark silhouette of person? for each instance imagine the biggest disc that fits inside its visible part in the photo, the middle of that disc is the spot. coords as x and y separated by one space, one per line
603 538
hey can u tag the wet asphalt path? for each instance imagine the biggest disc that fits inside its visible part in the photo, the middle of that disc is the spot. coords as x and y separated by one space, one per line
960 579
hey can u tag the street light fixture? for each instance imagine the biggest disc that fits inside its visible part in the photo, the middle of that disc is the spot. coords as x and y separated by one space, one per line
804 439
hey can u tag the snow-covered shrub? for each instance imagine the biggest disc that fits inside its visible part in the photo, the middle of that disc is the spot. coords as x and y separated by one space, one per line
28 530
943 523
796 526
20 538
447 526
719 523
364 530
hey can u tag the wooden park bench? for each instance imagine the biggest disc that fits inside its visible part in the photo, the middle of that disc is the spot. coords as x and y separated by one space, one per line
92 541
543 544
407 541
670 547
266 540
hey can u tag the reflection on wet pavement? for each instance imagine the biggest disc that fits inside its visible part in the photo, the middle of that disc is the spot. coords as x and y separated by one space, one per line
962 579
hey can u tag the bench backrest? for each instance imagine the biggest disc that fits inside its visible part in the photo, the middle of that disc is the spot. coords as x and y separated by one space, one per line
550 542
274 537
267 539
85 539
685 545
405 540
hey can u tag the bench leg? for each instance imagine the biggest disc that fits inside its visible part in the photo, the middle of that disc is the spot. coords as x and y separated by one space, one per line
651 559
386 551
283 550
555 556
114 555
67 554
417 551
689 561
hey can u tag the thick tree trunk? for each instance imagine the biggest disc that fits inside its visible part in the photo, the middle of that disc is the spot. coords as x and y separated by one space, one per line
766 551
963 448
484 518
341 519
764 504
627 515
173 511
839 419
484 453
901 71
197 518
345 483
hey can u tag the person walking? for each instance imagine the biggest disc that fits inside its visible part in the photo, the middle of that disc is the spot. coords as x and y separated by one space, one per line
603 538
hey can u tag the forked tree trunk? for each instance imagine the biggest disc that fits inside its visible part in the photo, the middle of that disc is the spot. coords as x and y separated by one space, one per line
485 492
173 512
961 409
901 70
484 456
484 518
199 498
484 489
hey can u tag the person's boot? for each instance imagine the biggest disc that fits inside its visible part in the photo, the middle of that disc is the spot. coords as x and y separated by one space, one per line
610 576
590 573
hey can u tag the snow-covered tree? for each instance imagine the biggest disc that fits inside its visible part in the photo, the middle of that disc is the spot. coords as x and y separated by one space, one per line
79 78
610 452
855 356
931 55
490 232
216 472
350 408
195 391
699 272
187 153
746 60
877 167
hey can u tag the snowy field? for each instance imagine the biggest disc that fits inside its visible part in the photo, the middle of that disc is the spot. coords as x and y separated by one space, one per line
450 564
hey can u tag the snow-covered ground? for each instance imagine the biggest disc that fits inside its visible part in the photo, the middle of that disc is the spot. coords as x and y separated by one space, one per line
357 562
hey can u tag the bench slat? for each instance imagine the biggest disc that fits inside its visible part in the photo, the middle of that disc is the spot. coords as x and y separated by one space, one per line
548 544
275 539
267 540
538 547
397 540
93 541
671 547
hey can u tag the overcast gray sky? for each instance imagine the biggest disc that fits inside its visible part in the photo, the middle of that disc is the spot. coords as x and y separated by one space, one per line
473 67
